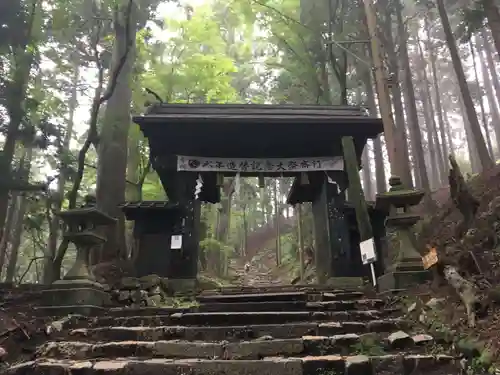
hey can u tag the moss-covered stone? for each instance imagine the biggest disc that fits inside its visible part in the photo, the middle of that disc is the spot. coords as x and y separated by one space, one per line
150 281
207 283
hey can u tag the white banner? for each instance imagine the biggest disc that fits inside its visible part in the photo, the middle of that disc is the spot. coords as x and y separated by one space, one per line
203 164
368 253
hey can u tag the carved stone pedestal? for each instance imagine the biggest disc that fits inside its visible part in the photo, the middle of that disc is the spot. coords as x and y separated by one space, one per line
403 263
78 292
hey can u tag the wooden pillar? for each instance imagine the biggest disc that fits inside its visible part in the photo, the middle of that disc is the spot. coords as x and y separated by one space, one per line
338 230
186 259
322 249
332 245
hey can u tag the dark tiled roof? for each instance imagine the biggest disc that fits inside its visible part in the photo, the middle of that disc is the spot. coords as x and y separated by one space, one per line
256 112
255 131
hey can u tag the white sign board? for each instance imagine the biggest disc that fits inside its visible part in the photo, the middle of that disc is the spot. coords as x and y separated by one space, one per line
176 242
367 249
203 164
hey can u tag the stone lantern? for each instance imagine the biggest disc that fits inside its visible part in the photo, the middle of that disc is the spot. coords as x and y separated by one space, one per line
403 263
78 291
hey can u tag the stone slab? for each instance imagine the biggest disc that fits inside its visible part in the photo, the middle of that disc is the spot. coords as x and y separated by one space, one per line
235 332
402 279
310 365
175 349
270 289
253 297
228 333
341 296
361 304
75 296
147 311
346 283
238 318
60 311
76 283
252 306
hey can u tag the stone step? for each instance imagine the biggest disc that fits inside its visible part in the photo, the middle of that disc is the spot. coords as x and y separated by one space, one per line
347 344
266 288
142 311
253 297
343 305
233 333
237 318
253 306
312 365
289 306
341 295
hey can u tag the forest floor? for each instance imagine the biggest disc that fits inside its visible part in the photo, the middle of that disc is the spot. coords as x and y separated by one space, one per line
20 329
475 253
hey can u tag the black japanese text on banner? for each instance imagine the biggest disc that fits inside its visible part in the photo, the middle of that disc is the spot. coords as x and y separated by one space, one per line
203 164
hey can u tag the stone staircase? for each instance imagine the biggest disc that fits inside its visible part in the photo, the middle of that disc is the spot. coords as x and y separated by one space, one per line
251 331
258 276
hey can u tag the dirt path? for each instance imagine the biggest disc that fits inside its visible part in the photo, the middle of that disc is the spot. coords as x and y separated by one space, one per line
260 273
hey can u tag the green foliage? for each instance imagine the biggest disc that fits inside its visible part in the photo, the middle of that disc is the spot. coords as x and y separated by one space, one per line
211 245
192 66
260 51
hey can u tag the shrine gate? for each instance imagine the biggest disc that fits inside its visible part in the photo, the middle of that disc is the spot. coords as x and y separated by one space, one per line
189 141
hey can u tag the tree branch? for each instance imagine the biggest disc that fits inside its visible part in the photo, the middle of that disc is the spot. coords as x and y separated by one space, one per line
28 268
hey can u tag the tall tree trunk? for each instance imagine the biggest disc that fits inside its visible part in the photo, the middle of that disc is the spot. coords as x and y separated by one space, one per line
493 18
16 240
244 247
475 163
18 227
430 119
440 145
491 64
49 274
9 225
480 100
112 149
379 166
366 171
437 98
15 98
397 97
277 222
365 158
377 146
447 127
492 103
412 115
300 236
484 157
431 146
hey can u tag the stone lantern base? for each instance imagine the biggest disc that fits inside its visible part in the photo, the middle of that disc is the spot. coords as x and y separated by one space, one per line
84 297
406 269
398 280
